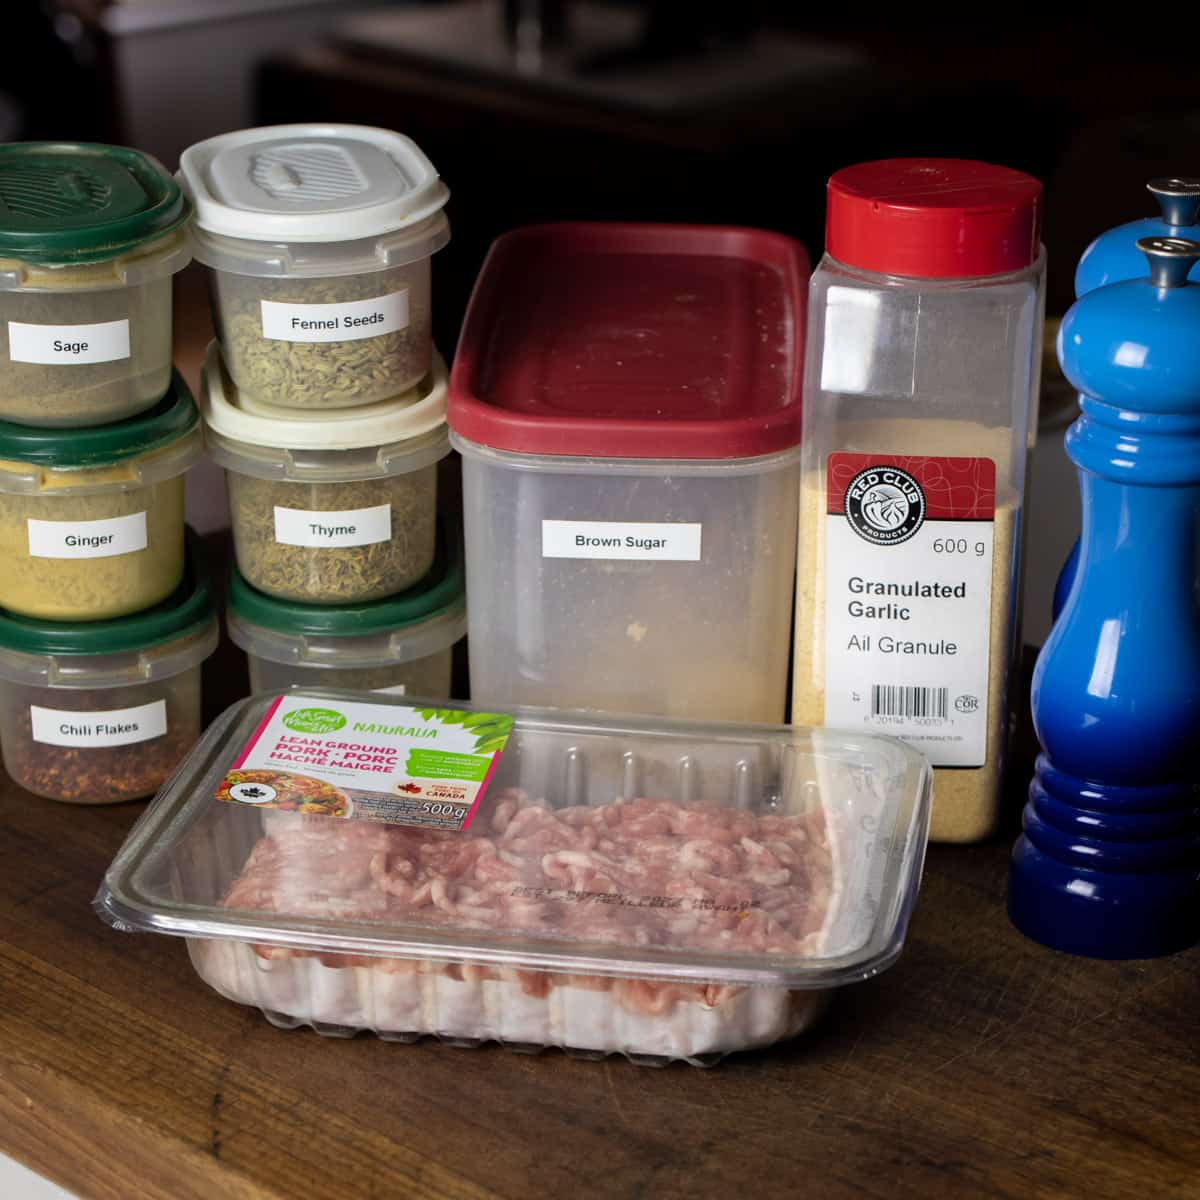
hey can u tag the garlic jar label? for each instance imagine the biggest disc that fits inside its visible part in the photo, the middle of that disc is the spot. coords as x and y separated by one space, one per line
105 538
109 727
349 527
626 540
909 544
346 322
63 345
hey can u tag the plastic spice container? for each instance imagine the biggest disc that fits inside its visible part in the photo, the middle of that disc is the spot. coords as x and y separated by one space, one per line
663 892
626 399
318 239
400 645
329 509
91 520
920 404
105 711
90 237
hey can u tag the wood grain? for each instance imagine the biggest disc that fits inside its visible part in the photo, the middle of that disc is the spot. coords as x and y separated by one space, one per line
979 1065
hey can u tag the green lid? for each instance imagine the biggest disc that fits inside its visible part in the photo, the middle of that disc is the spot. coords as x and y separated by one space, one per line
63 203
187 609
98 445
441 588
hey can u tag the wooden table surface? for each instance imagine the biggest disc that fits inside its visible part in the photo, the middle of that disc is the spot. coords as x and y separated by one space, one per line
980 1065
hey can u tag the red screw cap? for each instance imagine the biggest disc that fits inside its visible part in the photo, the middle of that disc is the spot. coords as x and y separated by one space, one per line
933 218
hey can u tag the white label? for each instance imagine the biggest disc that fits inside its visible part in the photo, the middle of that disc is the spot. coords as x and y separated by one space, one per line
87 539
66 344
333 530
111 727
346 322
397 689
621 539
907 636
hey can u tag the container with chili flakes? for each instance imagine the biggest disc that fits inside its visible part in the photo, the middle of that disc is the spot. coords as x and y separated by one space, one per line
101 712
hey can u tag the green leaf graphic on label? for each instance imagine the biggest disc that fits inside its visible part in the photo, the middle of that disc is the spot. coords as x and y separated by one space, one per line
441 764
490 729
491 745
315 720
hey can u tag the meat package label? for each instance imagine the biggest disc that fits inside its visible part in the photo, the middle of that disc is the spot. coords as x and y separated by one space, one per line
379 762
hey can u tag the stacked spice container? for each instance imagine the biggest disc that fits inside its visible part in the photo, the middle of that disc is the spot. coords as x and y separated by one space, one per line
325 402
106 611
626 399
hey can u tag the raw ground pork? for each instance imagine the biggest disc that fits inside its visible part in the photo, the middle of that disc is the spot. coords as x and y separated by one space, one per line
745 884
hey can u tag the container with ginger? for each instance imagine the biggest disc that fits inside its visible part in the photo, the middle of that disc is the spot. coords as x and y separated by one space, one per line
920 395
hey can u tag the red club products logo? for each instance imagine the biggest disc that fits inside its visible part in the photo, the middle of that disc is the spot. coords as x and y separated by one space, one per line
885 505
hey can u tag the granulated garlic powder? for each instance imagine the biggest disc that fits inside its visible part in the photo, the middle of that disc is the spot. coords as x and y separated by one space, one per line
965 798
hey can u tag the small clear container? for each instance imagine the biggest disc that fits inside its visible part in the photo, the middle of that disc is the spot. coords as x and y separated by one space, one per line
105 711
329 509
90 238
626 399
401 645
318 239
662 890
91 520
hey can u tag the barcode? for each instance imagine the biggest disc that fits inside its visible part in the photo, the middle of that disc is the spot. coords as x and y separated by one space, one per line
890 701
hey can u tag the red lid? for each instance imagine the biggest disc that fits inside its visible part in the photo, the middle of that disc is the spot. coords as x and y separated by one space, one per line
634 341
934 218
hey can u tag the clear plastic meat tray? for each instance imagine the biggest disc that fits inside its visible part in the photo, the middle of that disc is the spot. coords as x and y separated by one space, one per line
662 890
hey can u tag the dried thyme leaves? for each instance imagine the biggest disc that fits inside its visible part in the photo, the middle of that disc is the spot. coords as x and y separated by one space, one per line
334 574
329 374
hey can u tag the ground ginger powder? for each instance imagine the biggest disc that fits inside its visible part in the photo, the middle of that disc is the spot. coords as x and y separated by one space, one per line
965 799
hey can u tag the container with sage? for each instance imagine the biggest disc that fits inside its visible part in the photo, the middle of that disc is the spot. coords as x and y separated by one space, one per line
90 237
400 645
103 711
91 520
338 509
318 240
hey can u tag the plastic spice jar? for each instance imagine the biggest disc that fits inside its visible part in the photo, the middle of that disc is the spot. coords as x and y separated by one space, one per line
400 645
90 237
318 239
91 520
626 399
104 711
920 390
329 508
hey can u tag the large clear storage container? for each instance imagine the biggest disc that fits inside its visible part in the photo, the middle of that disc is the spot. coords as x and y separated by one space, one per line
104 711
664 890
318 241
626 399
920 406
91 520
90 238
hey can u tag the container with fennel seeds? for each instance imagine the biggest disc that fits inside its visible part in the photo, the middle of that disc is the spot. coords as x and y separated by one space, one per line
90 238
104 711
318 241
91 520
329 508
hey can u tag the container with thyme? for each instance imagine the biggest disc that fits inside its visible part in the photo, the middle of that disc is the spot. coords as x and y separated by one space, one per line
90 237
334 509
318 239
400 645
91 520
104 711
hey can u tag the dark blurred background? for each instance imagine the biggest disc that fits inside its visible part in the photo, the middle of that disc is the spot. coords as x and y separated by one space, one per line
681 110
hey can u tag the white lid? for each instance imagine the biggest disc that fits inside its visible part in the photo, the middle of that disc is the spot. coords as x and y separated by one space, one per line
241 419
310 183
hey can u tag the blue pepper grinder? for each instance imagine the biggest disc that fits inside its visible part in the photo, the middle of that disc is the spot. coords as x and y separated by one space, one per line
1108 864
